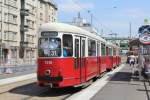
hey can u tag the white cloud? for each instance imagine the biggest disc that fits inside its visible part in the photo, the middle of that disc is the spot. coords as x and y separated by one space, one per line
73 6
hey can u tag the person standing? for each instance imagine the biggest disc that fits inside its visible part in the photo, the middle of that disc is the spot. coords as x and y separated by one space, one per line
132 60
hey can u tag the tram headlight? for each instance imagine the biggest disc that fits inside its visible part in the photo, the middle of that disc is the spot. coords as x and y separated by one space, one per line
47 72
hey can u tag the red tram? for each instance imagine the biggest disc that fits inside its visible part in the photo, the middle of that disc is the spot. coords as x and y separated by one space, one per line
70 56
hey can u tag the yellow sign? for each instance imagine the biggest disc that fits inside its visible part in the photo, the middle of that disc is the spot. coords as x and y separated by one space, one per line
146 22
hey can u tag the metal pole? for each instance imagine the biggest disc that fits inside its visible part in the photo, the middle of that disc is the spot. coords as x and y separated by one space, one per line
22 32
130 29
91 19
91 15
1 32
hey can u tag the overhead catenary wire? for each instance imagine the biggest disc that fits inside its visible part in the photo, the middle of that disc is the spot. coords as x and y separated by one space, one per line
94 17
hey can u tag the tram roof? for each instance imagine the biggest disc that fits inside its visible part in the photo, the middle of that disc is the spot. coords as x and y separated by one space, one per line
62 27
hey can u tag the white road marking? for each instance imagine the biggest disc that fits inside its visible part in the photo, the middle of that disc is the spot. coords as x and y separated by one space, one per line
89 92
17 79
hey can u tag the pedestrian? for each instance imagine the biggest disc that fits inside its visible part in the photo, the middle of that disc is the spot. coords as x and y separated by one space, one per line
132 60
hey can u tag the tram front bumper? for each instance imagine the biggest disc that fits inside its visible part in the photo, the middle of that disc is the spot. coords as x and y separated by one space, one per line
50 79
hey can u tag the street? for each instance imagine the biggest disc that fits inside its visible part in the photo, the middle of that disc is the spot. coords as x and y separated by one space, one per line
29 90
118 84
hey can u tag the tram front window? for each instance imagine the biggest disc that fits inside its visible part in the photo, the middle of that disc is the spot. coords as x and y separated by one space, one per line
49 47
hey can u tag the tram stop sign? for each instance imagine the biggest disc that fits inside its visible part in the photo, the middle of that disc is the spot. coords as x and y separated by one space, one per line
144 32
145 38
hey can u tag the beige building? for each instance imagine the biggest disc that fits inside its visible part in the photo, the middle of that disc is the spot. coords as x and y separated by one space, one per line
38 12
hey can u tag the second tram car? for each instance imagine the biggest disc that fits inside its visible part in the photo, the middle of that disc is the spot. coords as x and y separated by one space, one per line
70 56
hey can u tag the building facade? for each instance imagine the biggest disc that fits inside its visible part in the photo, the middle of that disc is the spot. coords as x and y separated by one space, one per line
19 22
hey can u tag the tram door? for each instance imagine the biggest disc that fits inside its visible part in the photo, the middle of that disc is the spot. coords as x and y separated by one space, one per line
80 57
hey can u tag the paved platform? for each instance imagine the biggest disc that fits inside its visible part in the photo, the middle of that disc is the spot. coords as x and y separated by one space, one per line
123 86
17 71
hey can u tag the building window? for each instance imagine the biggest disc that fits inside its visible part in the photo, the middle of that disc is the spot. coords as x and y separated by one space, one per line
5 36
5 2
13 53
11 2
14 35
12 18
33 55
41 16
5 17
41 5
49 17
32 24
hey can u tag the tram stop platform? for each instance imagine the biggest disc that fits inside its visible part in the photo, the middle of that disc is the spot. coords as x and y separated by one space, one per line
124 86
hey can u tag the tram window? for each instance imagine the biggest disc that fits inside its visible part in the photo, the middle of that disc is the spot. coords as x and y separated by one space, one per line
67 45
91 48
110 51
103 51
98 49
76 48
49 47
114 52
107 51
83 48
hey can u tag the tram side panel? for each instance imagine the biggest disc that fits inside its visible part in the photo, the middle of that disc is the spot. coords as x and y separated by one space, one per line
118 60
103 64
91 67
70 72
114 59
109 62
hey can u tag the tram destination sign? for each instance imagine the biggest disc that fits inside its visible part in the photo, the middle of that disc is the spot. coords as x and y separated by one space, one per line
48 34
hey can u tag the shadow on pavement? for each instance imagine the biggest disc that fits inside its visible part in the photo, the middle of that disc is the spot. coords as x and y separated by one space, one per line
122 76
34 90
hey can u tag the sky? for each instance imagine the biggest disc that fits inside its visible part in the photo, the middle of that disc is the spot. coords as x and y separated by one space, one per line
110 16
